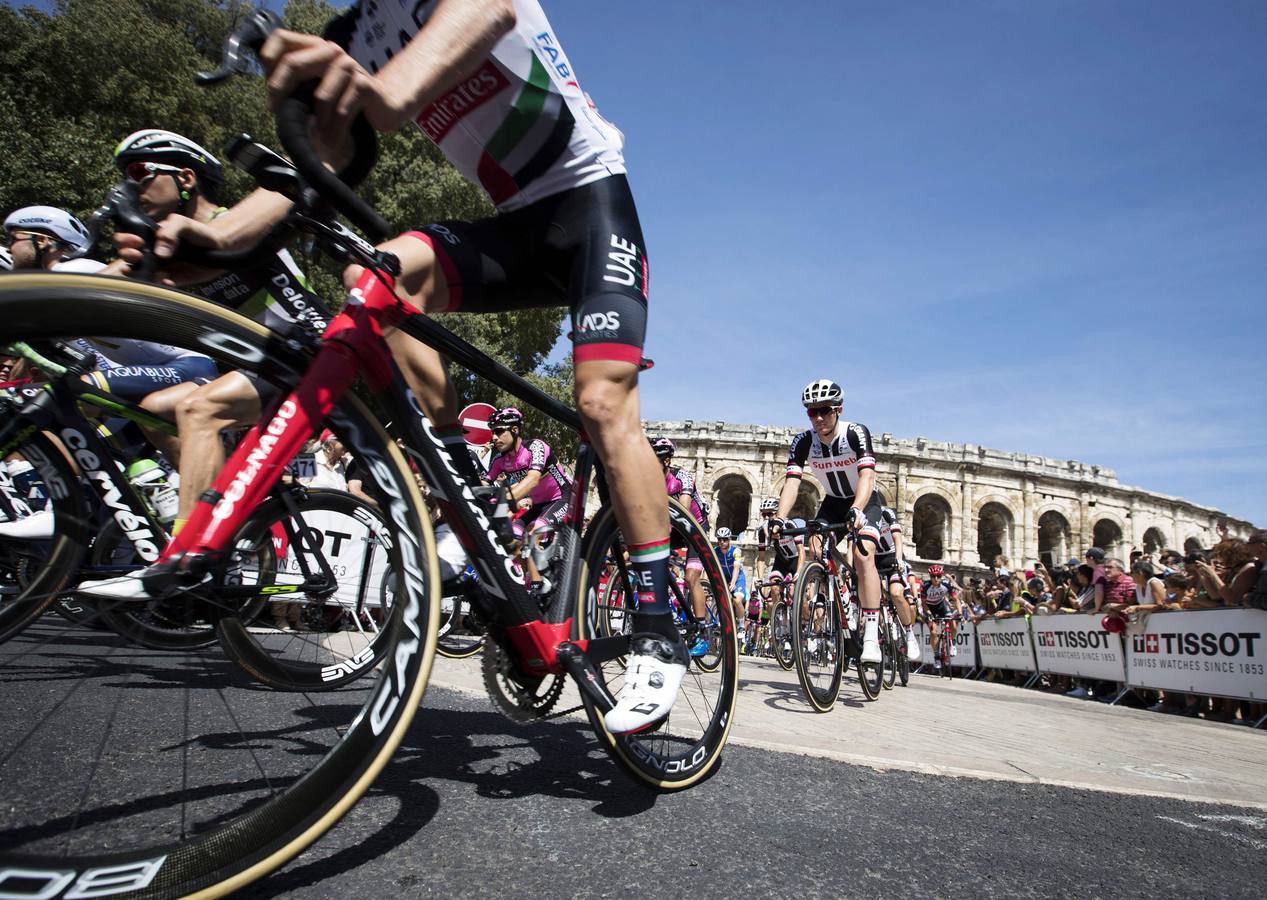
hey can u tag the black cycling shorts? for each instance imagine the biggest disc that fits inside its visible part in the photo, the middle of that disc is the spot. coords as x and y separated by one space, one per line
940 610
784 565
582 248
836 509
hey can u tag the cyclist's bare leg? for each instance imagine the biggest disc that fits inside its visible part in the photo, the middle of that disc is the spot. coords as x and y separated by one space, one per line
699 603
201 415
164 403
905 614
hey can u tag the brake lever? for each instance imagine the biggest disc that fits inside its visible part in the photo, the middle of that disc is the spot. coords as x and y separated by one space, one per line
122 206
249 36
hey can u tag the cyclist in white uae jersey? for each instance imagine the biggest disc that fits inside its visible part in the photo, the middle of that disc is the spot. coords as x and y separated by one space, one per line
840 456
489 82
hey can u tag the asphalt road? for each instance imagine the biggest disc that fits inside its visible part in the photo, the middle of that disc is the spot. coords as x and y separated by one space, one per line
475 804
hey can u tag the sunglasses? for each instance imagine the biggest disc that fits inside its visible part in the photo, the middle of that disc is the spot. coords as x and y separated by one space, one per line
500 430
816 412
14 237
141 172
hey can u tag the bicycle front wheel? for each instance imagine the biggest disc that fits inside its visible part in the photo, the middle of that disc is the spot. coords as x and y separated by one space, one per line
164 774
781 636
686 746
817 636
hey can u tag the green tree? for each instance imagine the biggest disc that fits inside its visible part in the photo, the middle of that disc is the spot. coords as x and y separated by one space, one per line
76 80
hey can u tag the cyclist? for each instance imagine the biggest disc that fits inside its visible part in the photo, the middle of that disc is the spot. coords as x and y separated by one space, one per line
943 607
679 483
839 454
537 481
179 183
767 509
6 260
731 559
890 561
45 237
490 85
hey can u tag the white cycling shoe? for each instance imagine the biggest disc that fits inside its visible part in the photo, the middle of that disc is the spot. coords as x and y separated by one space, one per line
871 650
122 587
655 671
913 652
953 651
35 527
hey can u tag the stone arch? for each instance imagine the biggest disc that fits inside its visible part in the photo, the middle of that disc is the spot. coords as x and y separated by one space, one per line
931 520
1055 538
886 489
995 526
732 501
1107 534
1192 544
1154 541
809 496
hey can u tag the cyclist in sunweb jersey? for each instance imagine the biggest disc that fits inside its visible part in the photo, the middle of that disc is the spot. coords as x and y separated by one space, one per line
179 183
537 481
679 483
840 456
943 608
489 83
890 561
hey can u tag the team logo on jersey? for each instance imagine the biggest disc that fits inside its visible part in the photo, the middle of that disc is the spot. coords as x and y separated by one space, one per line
438 119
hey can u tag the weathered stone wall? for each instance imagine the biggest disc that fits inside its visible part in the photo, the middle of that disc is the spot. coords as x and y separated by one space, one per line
956 502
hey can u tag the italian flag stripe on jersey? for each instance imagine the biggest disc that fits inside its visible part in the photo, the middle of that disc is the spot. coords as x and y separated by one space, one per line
646 553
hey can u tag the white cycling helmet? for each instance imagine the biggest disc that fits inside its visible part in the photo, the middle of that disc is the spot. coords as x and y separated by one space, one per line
6 260
769 503
723 534
822 393
56 223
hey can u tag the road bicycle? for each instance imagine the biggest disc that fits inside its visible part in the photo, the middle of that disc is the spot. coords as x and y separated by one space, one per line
941 626
313 571
825 621
780 623
310 763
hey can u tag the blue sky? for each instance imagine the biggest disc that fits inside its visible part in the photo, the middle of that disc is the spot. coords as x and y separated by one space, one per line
1036 226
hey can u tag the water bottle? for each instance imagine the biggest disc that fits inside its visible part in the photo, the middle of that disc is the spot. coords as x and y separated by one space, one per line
151 480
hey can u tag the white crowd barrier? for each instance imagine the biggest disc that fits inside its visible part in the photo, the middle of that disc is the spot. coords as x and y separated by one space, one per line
1079 646
1219 652
345 540
965 646
1006 644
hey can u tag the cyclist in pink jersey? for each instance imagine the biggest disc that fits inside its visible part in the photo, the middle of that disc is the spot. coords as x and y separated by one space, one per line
679 483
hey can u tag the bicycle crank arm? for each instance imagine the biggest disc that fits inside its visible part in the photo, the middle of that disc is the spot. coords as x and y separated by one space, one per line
580 666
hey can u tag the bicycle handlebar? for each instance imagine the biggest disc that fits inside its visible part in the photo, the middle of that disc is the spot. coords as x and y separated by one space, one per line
816 526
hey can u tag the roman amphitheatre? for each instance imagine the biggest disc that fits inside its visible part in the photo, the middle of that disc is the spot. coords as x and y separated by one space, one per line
959 504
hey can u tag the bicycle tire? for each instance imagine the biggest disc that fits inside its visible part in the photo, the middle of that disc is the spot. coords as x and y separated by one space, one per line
453 610
52 563
338 654
871 676
903 665
687 746
712 659
145 626
784 652
888 647
819 665
293 805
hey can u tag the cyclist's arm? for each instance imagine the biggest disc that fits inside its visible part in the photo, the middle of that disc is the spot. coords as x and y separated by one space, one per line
525 486
457 37
736 571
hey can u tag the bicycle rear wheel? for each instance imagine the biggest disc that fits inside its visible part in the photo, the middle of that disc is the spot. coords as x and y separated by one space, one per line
337 554
817 636
888 645
164 774
686 746
781 636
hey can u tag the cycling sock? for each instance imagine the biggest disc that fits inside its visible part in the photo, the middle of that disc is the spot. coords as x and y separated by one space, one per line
177 525
870 624
451 436
650 564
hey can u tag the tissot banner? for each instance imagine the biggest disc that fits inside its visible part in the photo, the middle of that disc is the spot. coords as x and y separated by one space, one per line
1005 644
1219 652
1078 645
965 646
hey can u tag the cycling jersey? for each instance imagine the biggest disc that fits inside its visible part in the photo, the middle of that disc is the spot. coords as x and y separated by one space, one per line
134 369
78 267
937 599
534 456
888 528
277 295
680 483
838 463
519 124
727 560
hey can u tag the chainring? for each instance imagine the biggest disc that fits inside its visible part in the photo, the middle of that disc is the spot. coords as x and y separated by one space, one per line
518 700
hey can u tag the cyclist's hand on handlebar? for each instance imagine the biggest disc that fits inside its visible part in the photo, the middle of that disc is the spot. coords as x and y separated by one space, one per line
857 518
344 88
171 231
